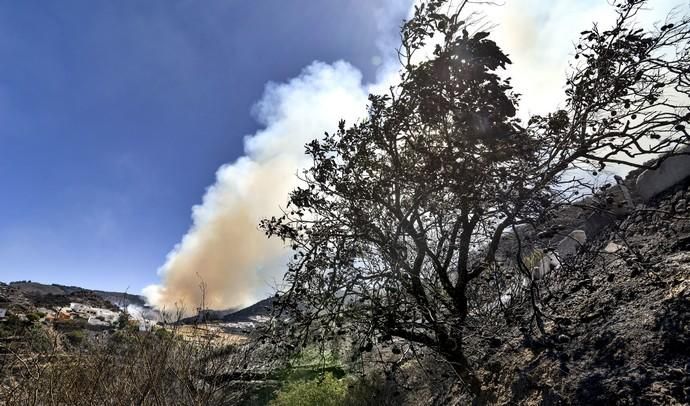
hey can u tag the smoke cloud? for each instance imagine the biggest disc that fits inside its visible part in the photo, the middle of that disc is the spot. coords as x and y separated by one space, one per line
224 247
540 35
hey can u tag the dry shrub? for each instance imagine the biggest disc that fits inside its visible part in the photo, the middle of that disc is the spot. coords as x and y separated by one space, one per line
119 368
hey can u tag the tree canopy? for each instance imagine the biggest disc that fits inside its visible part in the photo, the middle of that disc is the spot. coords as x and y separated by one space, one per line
396 225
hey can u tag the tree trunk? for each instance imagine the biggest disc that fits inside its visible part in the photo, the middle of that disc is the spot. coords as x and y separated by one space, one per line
464 370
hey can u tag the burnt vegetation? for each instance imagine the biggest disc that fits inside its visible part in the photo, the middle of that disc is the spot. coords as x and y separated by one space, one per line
398 224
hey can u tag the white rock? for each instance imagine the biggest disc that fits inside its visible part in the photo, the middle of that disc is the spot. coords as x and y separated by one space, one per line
94 321
612 247
547 263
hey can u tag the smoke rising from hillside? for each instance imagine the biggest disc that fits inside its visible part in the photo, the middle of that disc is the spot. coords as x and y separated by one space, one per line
224 247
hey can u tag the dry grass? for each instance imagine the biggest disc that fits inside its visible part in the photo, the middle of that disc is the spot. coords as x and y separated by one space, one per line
39 366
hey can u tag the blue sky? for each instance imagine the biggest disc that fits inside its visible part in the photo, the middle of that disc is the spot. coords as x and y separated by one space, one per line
115 116
142 141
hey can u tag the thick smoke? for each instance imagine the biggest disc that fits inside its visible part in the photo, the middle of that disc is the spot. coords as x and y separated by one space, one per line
224 247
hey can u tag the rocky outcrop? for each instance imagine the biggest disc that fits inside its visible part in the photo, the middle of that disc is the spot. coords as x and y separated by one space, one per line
670 172
571 244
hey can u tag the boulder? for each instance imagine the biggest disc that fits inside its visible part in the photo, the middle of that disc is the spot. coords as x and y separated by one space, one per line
671 172
619 200
547 263
597 221
571 244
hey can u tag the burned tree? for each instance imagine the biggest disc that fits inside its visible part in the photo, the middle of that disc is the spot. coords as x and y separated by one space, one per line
397 225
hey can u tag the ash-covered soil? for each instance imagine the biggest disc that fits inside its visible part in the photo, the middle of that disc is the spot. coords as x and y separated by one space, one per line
617 322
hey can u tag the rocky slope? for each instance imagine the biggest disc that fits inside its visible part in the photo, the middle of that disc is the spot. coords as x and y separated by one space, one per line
617 323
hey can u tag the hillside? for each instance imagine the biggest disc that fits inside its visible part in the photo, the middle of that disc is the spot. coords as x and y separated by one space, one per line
618 325
617 322
616 317
57 292
22 297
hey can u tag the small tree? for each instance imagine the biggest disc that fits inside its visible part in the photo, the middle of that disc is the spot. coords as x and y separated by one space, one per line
396 228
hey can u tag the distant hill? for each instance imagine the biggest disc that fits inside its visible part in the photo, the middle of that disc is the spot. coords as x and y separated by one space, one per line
61 295
248 314
55 294
251 313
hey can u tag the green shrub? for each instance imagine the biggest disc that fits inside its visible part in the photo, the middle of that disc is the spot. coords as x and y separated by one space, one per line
123 338
13 326
76 337
35 316
122 321
163 334
312 363
39 340
68 325
325 391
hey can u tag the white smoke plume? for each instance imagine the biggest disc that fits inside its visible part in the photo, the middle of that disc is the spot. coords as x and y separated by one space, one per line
540 36
224 250
224 247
